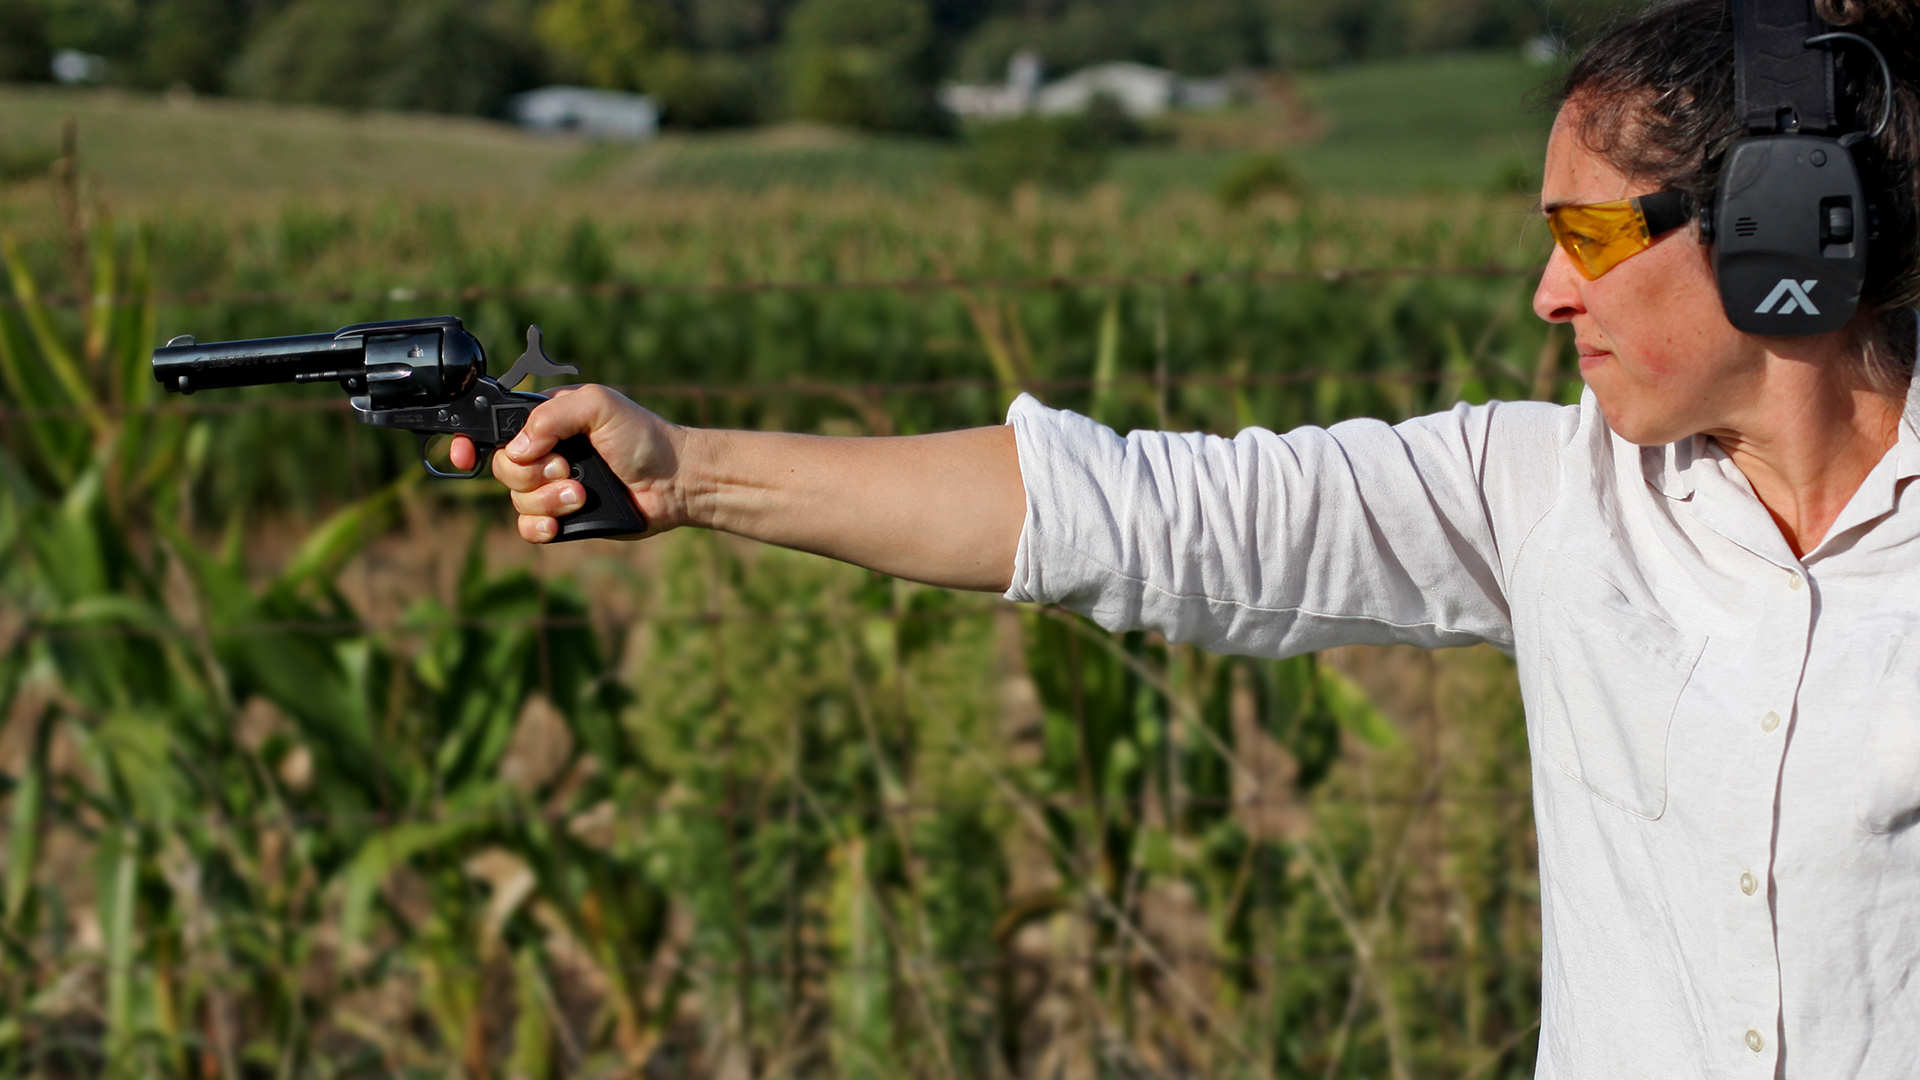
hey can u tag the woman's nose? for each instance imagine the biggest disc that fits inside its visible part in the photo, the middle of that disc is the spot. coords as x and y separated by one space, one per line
1557 299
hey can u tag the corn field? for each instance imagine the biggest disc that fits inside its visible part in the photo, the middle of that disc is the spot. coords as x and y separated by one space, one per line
311 770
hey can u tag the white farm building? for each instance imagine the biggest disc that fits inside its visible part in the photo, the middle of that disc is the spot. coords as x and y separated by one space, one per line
601 114
1140 89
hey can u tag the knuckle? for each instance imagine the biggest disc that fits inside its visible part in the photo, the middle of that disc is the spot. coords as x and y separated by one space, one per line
548 500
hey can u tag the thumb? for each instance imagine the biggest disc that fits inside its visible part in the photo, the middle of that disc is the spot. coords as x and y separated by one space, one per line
568 412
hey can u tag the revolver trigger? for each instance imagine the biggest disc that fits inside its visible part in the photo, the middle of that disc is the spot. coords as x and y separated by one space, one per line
534 362
482 457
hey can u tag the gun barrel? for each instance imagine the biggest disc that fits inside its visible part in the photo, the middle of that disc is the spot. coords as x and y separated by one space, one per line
220 364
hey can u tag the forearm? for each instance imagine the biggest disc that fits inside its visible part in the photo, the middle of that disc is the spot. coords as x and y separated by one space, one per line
943 509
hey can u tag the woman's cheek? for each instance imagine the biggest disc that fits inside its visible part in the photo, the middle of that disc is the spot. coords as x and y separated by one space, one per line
1660 362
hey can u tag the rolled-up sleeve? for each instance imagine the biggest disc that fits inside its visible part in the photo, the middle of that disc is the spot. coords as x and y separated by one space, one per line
1272 544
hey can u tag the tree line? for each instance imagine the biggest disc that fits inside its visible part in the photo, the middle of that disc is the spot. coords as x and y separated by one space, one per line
711 63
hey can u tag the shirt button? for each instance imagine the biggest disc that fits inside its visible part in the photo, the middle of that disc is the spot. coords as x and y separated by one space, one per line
1794 581
1770 721
1748 882
1754 1042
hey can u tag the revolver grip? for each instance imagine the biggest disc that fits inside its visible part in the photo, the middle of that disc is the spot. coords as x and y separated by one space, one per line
609 509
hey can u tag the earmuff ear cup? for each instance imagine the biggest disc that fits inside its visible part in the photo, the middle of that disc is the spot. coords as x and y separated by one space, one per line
1790 235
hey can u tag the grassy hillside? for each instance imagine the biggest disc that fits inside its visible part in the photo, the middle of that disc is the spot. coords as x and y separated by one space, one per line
1459 122
1431 122
143 146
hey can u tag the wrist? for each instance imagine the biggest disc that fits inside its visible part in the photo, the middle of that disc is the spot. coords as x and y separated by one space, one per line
693 480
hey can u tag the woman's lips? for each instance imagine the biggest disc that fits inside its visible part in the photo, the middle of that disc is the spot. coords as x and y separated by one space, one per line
1592 355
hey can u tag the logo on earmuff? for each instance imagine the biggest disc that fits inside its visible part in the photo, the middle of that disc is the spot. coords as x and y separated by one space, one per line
1796 294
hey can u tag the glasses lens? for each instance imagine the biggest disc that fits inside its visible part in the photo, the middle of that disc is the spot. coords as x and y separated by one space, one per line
1598 237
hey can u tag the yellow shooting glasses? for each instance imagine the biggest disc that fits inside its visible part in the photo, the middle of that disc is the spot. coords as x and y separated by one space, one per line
1601 236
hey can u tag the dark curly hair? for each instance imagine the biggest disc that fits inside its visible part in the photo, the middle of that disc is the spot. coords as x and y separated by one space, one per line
1656 100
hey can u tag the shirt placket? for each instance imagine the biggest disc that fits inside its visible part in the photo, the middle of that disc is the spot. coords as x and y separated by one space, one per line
1772 663
1759 744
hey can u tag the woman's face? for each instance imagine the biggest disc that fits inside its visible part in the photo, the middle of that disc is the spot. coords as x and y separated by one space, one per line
1654 344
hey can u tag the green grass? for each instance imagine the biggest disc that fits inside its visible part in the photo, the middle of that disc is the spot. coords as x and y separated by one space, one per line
142 147
1435 123
799 156
1428 123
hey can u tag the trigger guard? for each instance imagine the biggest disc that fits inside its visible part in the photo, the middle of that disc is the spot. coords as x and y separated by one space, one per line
482 457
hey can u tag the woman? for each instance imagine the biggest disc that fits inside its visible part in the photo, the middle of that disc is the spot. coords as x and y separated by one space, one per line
1708 571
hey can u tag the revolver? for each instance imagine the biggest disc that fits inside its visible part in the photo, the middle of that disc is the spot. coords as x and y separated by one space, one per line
427 376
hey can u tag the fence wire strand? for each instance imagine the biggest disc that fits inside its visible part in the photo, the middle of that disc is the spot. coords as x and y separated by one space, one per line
782 388
635 289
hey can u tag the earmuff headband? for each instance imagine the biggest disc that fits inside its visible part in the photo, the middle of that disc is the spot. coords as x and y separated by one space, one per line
1780 85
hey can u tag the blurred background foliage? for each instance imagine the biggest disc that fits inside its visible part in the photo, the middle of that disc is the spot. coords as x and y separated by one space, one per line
871 63
310 768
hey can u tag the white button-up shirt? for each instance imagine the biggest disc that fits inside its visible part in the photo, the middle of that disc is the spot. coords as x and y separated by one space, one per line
1726 738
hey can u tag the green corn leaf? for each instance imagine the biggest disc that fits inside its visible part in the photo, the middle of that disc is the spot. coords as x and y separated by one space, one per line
69 546
119 867
298 668
122 609
533 1026
55 449
343 535
1106 359
140 747
100 317
392 848
1354 710
25 820
220 581
60 360
132 355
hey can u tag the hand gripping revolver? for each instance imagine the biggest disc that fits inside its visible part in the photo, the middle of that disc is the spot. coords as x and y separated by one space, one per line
427 376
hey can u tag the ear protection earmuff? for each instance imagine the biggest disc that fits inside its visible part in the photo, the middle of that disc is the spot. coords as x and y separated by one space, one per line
1791 217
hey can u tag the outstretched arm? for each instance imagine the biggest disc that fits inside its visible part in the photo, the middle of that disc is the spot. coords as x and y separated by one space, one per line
943 509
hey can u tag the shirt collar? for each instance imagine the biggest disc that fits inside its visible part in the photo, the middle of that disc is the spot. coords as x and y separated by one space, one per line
1679 470
1880 491
1670 468
1908 448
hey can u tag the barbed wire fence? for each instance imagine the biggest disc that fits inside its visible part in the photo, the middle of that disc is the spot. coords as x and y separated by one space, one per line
1120 948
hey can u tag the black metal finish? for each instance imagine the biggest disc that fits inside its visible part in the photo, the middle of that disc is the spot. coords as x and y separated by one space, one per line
218 365
427 376
534 361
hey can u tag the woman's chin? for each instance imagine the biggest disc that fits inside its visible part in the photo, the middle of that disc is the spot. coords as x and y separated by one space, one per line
1637 426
